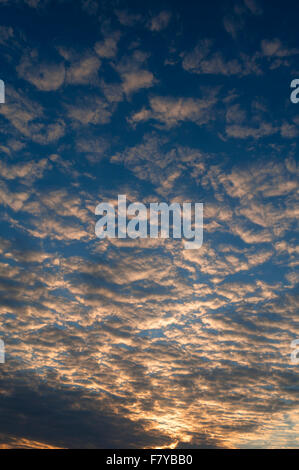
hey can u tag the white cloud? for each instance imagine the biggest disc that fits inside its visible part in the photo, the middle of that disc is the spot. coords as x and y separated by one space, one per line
253 6
203 61
134 81
91 110
126 18
289 131
45 76
232 25
90 6
28 118
83 71
275 48
6 34
160 21
244 132
172 111
108 47
133 73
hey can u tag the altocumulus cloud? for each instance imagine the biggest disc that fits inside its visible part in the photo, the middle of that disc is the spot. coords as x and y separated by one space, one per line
139 343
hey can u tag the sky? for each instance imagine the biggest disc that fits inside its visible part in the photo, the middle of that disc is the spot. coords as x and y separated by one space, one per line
140 343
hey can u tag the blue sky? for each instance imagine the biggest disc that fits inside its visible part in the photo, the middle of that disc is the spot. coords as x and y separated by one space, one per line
141 343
